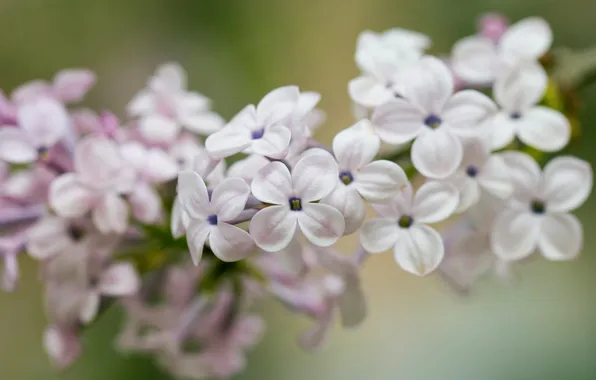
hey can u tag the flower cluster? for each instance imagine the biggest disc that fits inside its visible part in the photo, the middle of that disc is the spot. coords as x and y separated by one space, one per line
186 220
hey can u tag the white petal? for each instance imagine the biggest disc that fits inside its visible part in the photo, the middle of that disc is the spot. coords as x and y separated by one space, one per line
229 198
45 121
379 234
545 129
16 146
475 59
146 203
347 201
111 214
368 91
380 181
71 85
436 153
230 243
427 84
247 168
197 234
501 130
515 235
274 143
355 147
315 175
321 224
567 183
419 250
119 280
90 307
193 195
228 141
524 174
467 111
158 129
520 86
528 38
398 121
494 177
68 198
277 104
204 123
273 184
469 193
561 237
273 227
435 201
159 166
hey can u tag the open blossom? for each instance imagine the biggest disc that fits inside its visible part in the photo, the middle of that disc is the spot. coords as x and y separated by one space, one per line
260 130
209 216
537 215
101 176
518 90
360 178
292 196
402 225
41 124
433 117
478 60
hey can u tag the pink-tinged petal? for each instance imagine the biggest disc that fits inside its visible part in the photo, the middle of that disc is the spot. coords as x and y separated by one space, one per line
193 195
273 227
273 184
70 86
146 204
197 234
274 143
47 238
143 103
247 168
158 129
437 153
229 198
398 121
45 121
228 141
561 237
567 183
380 181
204 123
119 280
528 38
321 224
515 235
494 177
524 174
475 60
428 84
16 146
419 250
230 243
110 215
315 175
544 129
356 146
62 346
159 166
467 111
434 202
520 86
68 197
379 234
347 201
90 307
31 91
277 105
368 91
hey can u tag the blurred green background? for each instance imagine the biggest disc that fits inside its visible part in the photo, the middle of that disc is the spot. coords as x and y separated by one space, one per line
542 326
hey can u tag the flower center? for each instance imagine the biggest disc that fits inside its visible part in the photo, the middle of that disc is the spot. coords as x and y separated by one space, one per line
212 219
346 177
257 134
515 115
432 121
295 204
405 221
472 171
538 207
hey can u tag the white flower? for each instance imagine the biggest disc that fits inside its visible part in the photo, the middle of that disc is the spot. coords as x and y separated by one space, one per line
42 123
432 116
537 216
402 225
518 90
259 129
209 216
360 178
480 171
292 195
478 60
